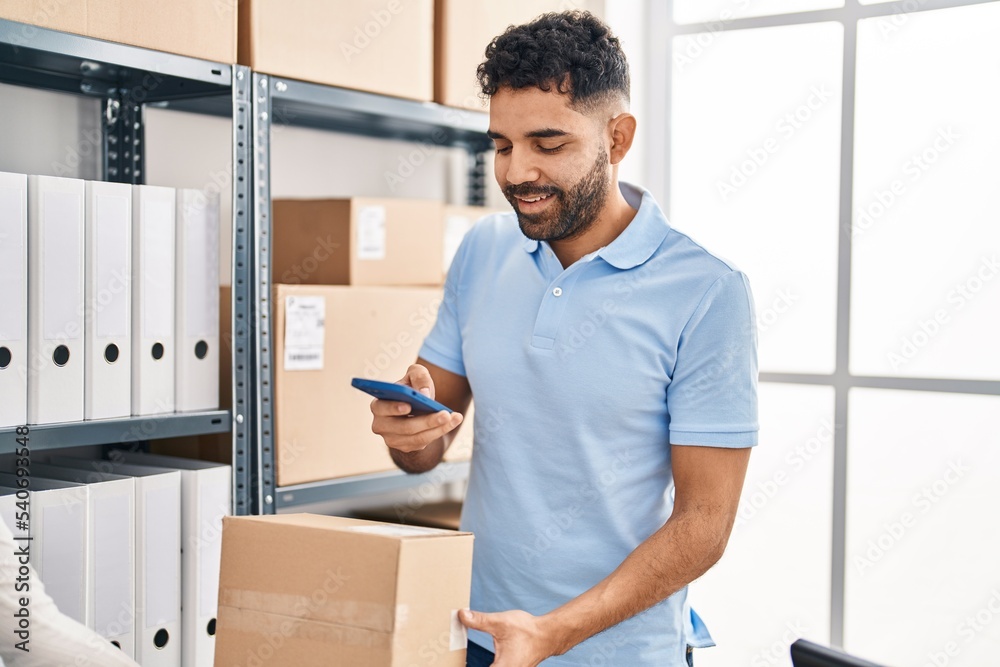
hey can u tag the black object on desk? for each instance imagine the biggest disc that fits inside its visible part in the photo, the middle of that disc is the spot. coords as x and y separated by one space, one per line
808 654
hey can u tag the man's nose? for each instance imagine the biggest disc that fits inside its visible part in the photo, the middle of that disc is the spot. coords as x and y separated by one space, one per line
521 168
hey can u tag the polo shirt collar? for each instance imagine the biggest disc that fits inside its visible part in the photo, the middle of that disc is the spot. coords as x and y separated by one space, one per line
639 240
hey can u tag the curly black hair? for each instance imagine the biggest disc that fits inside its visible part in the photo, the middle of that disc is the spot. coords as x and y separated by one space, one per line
573 51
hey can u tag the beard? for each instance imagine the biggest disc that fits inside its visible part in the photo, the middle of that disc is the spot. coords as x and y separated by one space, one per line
572 213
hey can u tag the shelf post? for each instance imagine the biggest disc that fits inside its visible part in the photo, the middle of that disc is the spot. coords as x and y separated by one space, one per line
477 176
242 359
122 134
262 483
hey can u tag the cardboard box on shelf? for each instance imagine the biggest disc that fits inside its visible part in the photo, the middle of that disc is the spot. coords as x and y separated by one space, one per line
381 46
310 590
193 28
461 447
446 514
463 29
357 241
324 336
458 220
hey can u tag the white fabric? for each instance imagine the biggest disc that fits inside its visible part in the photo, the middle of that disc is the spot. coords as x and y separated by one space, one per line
55 640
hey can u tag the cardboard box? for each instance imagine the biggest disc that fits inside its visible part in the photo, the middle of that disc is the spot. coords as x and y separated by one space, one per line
382 46
323 424
462 31
305 590
458 220
461 447
446 514
193 28
358 241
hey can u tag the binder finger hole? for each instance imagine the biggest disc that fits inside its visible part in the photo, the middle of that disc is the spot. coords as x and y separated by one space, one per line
115 644
111 353
157 354
61 355
211 628
5 357
201 349
161 638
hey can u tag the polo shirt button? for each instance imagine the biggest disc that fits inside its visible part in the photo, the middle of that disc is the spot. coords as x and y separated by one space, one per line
557 291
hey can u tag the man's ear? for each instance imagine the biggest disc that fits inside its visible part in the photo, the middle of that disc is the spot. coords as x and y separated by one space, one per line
622 131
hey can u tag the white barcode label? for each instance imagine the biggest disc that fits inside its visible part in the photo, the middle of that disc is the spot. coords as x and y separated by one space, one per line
305 320
371 232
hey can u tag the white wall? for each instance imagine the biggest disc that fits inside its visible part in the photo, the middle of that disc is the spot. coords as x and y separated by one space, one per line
50 134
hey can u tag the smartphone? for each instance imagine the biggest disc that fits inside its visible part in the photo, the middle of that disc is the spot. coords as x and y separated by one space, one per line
390 391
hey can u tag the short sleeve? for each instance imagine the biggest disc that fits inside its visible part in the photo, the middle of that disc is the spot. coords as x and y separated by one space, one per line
712 395
443 345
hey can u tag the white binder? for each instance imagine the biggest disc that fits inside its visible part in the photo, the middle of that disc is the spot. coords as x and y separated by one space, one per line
158 562
108 301
8 501
13 299
55 299
205 498
153 352
197 298
111 594
59 523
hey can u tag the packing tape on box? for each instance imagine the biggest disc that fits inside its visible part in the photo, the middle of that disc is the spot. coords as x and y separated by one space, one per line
459 633
366 615
277 629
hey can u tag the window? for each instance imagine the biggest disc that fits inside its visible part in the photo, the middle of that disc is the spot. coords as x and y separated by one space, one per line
845 158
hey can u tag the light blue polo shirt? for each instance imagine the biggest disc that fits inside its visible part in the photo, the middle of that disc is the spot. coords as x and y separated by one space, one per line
581 378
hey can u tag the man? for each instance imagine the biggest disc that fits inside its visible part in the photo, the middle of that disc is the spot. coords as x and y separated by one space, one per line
613 362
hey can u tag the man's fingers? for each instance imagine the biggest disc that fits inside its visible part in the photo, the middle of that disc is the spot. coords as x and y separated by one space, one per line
476 620
419 423
419 378
440 423
383 408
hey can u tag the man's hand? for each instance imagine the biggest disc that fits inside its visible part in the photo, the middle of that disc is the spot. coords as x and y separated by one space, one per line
519 638
406 433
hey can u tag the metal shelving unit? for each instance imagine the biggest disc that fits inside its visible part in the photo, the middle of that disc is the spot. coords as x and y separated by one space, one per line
363 485
290 102
123 431
126 79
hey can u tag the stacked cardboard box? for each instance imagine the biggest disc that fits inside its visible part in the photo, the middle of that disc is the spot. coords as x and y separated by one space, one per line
357 290
189 27
463 29
381 46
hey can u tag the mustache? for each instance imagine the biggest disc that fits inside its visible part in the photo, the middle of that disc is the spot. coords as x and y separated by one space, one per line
528 191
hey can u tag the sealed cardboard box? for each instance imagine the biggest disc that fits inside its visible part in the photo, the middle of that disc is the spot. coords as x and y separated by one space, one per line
305 590
446 514
461 447
381 46
324 336
458 220
463 29
357 241
193 28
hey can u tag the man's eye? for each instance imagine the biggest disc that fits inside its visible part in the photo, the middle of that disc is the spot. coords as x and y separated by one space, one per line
503 150
554 149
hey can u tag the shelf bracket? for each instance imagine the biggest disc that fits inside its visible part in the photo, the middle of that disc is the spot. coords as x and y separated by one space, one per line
477 177
122 134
